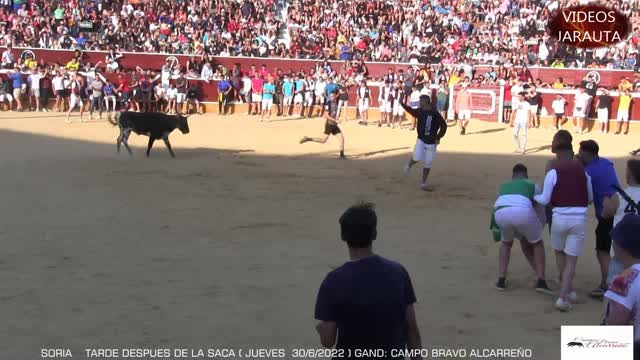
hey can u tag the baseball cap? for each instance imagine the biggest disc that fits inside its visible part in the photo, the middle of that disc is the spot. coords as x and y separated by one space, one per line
627 234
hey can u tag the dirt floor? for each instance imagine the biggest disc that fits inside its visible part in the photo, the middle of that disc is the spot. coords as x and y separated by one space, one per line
226 245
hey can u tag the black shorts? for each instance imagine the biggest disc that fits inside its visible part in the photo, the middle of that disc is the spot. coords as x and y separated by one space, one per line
331 128
603 239
61 93
559 116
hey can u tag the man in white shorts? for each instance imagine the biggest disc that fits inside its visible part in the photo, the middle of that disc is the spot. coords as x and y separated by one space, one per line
298 97
518 216
580 109
320 99
287 88
34 85
521 117
364 100
431 128
463 108
74 97
604 101
567 187
172 95
384 101
4 92
617 207
397 110
268 92
309 87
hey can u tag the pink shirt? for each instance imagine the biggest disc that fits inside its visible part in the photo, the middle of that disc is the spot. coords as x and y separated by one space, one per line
256 85
463 101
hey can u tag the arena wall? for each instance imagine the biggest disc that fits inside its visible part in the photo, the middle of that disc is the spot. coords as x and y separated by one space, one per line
608 78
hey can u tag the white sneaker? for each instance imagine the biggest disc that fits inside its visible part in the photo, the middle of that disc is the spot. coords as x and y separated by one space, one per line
573 297
406 169
562 305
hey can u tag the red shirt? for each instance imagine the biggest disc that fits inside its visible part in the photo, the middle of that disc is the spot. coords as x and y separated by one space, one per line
256 85
125 85
571 185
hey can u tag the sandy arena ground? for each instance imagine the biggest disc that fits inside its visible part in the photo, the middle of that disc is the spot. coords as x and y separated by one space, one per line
226 245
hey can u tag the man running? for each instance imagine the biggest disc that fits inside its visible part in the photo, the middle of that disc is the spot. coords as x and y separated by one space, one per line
330 127
517 217
431 128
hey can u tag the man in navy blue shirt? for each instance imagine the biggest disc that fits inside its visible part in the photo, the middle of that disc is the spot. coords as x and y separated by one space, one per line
603 178
224 94
367 303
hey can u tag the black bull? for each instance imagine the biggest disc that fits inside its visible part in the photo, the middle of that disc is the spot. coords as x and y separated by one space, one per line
152 124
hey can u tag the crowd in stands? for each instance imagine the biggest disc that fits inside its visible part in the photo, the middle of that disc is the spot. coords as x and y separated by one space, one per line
414 31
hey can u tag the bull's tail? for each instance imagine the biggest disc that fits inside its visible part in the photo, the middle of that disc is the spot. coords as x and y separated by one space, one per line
114 119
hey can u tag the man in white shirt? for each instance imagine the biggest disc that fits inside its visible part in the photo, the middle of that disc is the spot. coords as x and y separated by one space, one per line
623 296
558 106
384 104
320 98
34 85
567 187
580 110
520 119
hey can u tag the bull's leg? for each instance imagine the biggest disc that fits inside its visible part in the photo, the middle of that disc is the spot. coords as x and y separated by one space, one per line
168 144
150 144
118 142
125 140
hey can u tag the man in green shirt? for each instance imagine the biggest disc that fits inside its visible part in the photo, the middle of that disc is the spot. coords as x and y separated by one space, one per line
517 216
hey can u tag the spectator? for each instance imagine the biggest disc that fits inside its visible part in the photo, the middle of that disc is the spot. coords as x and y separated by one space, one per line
603 179
18 86
624 292
358 308
109 92
5 94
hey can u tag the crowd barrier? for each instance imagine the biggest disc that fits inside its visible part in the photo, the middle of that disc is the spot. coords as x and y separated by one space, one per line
604 77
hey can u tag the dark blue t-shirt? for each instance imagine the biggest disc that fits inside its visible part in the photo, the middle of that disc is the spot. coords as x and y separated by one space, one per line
367 299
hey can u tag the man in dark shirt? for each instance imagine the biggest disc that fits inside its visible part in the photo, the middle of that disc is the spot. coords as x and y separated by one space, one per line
330 127
590 87
534 99
603 106
367 303
431 128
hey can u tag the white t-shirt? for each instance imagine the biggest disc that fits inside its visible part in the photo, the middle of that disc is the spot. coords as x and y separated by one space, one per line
320 87
57 83
172 93
558 106
581 100
246 85
34 81
625 290
522 112
415 96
